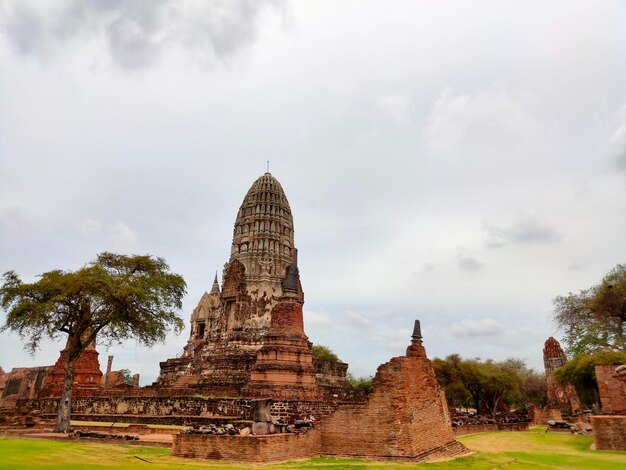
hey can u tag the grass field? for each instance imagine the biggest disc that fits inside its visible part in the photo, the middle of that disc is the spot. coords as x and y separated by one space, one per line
514 450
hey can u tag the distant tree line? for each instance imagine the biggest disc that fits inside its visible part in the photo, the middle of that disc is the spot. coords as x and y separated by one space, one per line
489 385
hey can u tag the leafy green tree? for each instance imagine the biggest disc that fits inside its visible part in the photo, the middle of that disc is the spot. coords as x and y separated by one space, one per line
533 389
113 298
473 379
361 384
489 384
595 318
580 372
448 372
324 353
127 376
501 383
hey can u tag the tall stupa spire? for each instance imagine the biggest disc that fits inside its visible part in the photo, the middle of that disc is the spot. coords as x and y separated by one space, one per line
262 252
263 235
215 289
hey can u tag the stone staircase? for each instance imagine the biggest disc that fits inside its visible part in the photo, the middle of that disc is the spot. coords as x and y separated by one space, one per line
185 381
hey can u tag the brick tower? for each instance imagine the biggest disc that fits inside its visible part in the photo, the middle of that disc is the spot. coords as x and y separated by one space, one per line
284 365
563 397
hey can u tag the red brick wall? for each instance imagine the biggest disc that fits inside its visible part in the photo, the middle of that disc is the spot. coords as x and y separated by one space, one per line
540 416
609 432
176 410
87 376
612 391
271 448
405 416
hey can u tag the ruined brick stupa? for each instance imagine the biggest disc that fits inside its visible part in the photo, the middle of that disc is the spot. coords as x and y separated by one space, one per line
230 325
561 397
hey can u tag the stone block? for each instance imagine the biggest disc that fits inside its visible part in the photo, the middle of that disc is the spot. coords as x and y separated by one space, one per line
260 428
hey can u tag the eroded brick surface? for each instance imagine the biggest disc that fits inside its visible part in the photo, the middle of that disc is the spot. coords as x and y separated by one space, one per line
562 397
612 390
405 417
87 375
609 432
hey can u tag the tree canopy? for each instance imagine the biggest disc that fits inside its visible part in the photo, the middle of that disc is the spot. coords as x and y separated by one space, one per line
595 318
489 384
127 375
580 372
111 299
361 384
324 353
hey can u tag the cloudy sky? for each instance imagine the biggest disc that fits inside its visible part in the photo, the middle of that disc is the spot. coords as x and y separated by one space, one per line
458 162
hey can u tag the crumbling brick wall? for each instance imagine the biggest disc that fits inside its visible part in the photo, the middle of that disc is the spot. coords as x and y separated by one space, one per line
405 416
612 391
257 449
21 383
609 432
87 375
540 416
173 410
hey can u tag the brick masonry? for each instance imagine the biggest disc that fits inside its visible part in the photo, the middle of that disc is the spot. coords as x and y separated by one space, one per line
609 432
87 375
612 391
252 449
177 410
21 383
609 429
540 416
406 417
560 396
401 420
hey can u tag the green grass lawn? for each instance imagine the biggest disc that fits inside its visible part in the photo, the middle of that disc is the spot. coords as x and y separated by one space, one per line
515 450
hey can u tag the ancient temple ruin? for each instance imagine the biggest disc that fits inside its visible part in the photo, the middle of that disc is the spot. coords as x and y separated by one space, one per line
240 342
248 345
405 418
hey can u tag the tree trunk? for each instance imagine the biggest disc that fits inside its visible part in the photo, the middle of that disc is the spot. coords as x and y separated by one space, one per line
65 403
494 410
476 403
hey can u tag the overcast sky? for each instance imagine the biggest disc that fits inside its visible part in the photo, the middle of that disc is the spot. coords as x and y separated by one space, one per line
458 162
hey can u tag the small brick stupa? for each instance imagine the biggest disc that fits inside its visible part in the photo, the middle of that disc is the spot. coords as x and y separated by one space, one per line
284 365
406 416
87 375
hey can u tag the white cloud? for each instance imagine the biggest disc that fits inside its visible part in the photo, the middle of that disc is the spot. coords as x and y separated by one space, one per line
355 320
395 107
468 263
15 218
90 226
480 118
526 229
122 237
618 147
475 328
134 32
313 319
427 268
